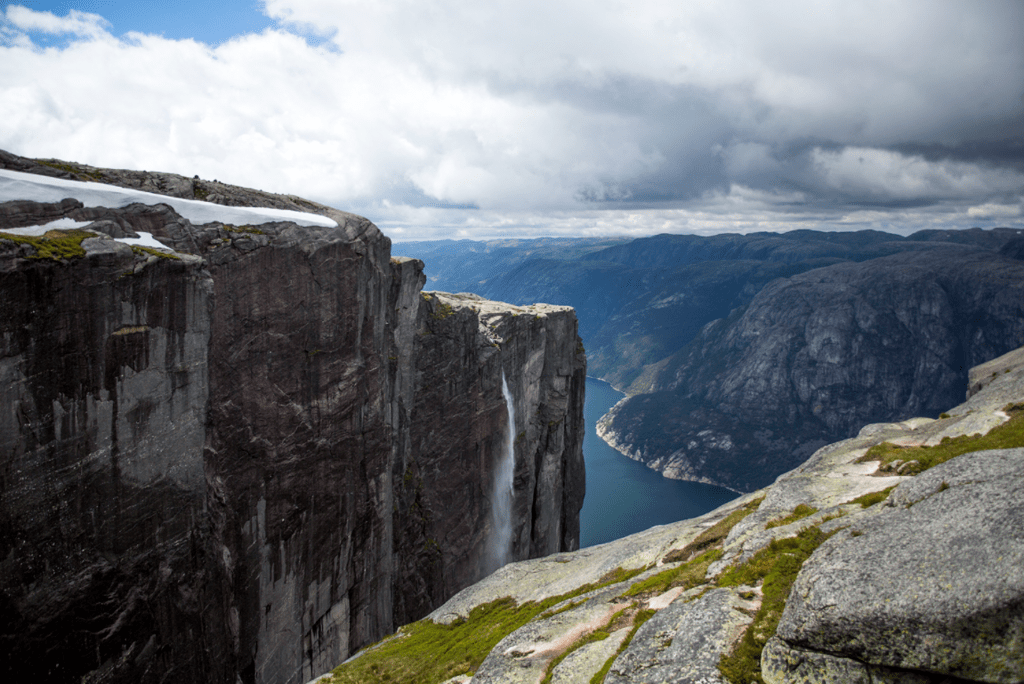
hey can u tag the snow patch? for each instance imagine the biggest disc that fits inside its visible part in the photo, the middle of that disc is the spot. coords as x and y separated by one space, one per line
15 185
144 240
35 231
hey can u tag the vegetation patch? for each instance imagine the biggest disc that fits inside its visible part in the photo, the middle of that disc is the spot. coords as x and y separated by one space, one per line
251 230
599 634
872 498
54 244
916 459
714 534
72 169
775 567
800 512
442 311
688 575
130 330
427 653
638 620
149 251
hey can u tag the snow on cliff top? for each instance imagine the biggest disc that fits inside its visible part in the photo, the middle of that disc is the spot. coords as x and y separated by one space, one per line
15 185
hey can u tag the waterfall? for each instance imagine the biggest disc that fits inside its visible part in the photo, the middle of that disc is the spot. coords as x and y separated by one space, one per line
501 511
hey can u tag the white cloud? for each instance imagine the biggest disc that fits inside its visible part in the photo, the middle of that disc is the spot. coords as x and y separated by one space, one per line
77 23
541 107
995 211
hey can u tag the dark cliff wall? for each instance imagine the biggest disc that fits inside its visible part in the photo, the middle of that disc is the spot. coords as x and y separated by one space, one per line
444 475
301 458
103 399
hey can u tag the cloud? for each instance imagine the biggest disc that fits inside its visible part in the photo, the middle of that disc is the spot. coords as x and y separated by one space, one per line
429 113
77 23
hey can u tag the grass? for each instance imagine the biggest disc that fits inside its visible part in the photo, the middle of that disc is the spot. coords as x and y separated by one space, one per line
638 621
71 168
917 459
443 310
872 498
54 244
688 575
149 251
251 230
427 653
800 512
714 534
776 567
599 634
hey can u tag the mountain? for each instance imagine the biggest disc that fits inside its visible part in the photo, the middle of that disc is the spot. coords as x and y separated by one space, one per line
707 336
892 556
237 439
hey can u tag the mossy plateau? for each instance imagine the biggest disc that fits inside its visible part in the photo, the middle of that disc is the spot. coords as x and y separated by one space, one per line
54 244
775 567
427 653
916 459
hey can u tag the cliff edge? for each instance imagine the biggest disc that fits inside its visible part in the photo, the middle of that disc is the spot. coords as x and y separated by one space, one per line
239 443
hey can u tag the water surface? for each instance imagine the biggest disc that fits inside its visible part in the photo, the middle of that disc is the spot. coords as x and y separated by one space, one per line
625 496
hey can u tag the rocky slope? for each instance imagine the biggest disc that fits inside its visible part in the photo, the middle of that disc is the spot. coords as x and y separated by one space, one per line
893 556
817 355
242 459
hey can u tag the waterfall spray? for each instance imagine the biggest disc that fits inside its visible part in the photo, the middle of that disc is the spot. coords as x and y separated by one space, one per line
501 543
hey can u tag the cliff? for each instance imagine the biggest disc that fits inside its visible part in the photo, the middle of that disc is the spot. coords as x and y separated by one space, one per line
893 556
815 356
242 458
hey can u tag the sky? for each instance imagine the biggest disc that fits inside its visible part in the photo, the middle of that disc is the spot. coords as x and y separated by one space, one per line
523 118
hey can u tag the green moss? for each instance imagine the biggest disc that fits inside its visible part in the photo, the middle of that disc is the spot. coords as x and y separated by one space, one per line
55 244
442 311
872 498
775 567
129 330
426 653
251 230
149 251
638 621
599 634
687 575
917 459
800 512
72 169
714 534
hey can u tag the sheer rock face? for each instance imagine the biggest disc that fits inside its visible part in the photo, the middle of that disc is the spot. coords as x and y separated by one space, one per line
245 463
449 530
815 356
103 402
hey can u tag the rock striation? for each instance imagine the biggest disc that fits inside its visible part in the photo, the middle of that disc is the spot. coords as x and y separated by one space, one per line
243 457
857 566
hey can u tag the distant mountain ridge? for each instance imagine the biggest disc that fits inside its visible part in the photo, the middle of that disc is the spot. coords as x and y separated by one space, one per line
670 319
